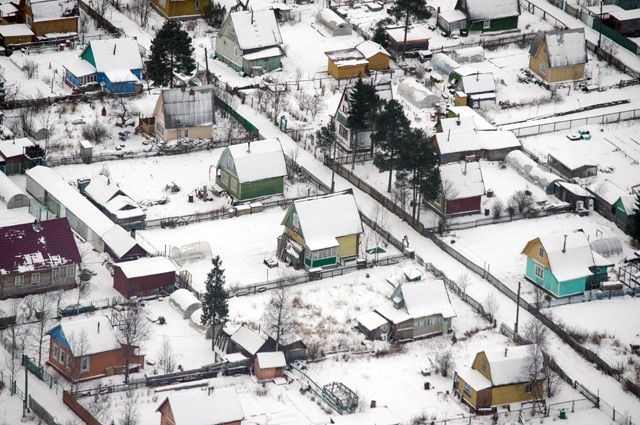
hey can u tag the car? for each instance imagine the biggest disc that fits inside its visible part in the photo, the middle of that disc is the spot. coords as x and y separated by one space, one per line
424 55
574 136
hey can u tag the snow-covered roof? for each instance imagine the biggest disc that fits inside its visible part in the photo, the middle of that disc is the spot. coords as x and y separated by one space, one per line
25 247
72 200
490 9
271 359
443 64
269 52
371 320
196 317
465 179
346 57
475 379
625 14
628 203
457 124
607 190
510 368
576 259
118 240
392 314
196 407
606 247
258 160
576 189
89 335
14 147
464 111
111 197
44 10
250 340
454 15
8 189
256 29
570 160
100 190
146 266
115 54
15 30
468 52
8 9
606 9
124 207
193 107
564 47
416 33
184 299
478 83
370 48
376 416
79 67
327 217
234 357
329 17
120 76
426 298
528 168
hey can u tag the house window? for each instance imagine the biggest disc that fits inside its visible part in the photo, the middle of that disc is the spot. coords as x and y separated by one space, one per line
540 251
55 351
539 272
29 20
224 178
486 25
19 280
84 364
543 69
324 253
528 387
35 277
70 270
186 132
61 357
235 51
484 365
197 6
233 185
467 389
229 161
59 272
344 133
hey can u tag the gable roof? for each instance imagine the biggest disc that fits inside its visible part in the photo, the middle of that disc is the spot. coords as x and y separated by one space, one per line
564 47
326 217
256 29
424 298
510 368
370 48
347 57
146 266
100 336
26 249
576 259
570 160
190 108
100 190
14 147
115 54
465 179
44 10
258 160
250 340
478 83
197 407
271 359
489 9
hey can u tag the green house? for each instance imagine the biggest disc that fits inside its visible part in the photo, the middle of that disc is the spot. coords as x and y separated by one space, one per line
490 15
625 212
252 170
564 265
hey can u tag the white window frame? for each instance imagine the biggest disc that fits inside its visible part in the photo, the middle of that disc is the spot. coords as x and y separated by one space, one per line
35 277
19 280
70 270
85 367
486 24
55 351
224 178
538 271
58 272
61 357
543 69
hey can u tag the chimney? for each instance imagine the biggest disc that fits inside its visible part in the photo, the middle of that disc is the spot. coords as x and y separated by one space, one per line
98 327
477 75
505 351
115 45
564 246
249 146
458 119
465 168
191 92
448 135
251 16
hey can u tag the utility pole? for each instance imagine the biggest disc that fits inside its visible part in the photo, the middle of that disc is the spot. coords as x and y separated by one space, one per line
206 62
25 403
515 328
600 27
333 168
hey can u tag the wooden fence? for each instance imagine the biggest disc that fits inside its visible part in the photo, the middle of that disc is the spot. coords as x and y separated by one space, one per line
101 20
79 410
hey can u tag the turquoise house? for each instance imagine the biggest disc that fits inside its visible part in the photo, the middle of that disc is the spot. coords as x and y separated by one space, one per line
625 212
564 265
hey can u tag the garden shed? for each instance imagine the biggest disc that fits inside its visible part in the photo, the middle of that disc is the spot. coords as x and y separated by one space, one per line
333 22
268 366
185 301
144 276
10 194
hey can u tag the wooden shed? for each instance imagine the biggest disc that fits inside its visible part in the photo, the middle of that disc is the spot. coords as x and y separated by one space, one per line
570 165
346 63
375 54
267 366
144 276
15 34
559 55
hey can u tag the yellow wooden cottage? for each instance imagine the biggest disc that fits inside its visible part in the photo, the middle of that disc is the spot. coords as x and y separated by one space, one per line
497 377
559 55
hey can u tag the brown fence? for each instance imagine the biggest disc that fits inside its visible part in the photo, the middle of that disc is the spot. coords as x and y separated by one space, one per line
101 20
79 410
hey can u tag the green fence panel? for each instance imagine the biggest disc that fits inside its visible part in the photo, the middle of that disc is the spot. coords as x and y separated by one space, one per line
614 35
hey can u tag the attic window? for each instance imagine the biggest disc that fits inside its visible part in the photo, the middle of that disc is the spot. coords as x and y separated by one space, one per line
540 252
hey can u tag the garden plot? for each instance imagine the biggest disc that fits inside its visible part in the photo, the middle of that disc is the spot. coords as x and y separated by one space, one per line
272 404
614 148
498 247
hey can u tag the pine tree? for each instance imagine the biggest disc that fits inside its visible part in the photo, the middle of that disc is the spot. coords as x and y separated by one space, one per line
326 137
363 105
214 13
408 10
635 225
215 308
171 51
392 126
379 35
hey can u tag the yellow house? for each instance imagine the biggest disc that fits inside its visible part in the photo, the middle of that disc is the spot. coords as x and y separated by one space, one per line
558 55
376 56
50 16
497 377
321 230
346 63
180 8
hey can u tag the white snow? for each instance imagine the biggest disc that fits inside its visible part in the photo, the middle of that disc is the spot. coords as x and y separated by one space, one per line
259 160
465 179
8 189
118 54
370 48
371 320
569 255
248 339
426 298
475 379
494 9
14 147
146 266
272 359
118 240
198 408
100 336
509 365
376 416
184 299
478 83
15 30
256 29
566 48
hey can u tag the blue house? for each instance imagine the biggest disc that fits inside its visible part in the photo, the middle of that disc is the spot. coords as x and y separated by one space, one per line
564 265
115 65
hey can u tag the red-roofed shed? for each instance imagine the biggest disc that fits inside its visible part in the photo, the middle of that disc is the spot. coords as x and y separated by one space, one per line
37 257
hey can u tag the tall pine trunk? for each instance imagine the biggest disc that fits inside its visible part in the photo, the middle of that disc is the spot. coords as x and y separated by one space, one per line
406 30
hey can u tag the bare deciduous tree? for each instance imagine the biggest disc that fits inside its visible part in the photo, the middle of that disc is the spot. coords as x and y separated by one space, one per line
41 305
14 341
535 333
463 283
30 68
100 6
166 356
129 414
497 208
448 191
491 306
80 346
120 108
520 201
141 9
444 362
279 315
131 331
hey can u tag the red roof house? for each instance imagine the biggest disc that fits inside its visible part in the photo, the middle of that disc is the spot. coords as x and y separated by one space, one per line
143 276
37 257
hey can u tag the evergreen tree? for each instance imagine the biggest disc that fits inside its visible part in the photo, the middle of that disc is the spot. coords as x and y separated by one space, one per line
408 10
326 137
635 224
215 307
392 126
214 13
363 104
171 51
420 163
379 35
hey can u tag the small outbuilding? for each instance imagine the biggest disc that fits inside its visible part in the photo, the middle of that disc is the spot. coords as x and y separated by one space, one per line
559 55
468 54
185 301
375 54
573 194
417 94
18 155
625 207
185 113
417 39
252 170
346 63
490 15
197 407
144 276
480 88
570 165
12 34
452 20
373 326
333 22
463 188
267 366
10 194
